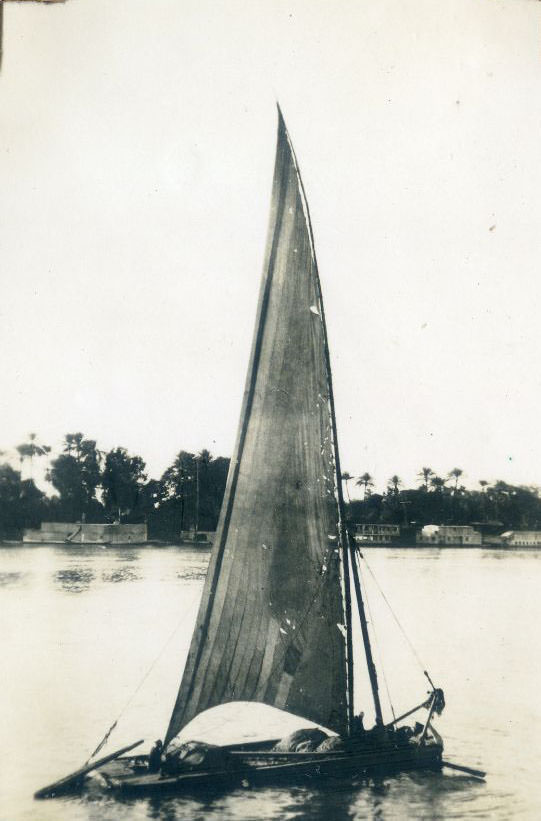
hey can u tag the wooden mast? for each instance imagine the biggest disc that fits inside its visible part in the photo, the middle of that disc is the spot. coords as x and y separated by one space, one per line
372 673
343 533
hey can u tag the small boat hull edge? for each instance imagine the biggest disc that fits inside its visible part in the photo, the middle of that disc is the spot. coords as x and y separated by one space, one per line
258 768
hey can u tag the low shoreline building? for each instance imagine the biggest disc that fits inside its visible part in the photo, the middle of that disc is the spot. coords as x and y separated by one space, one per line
376 533
521 538
201 538
79 533
457 535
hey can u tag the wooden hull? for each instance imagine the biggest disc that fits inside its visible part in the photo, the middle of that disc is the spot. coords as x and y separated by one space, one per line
252 768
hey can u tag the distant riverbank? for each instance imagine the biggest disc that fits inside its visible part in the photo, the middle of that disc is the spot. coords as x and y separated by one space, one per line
206 547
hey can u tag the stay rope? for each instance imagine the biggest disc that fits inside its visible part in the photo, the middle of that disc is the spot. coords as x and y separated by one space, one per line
395 617
105 738
376 641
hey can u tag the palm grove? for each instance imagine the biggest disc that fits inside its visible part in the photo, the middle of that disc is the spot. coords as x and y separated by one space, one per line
445 500
100 486
97 486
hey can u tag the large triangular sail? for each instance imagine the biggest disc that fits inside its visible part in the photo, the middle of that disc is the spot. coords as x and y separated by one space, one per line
273 624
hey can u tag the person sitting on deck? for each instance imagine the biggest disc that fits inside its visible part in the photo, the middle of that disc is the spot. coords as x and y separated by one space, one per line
357 725
417 728
155 757
402 735
377 735
359 735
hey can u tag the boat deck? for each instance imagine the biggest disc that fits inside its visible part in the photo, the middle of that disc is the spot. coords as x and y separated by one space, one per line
257 767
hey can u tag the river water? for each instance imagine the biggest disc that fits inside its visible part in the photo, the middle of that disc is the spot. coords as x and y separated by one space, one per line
90 634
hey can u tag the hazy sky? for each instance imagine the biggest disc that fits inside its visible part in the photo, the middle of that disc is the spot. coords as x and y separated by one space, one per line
137 144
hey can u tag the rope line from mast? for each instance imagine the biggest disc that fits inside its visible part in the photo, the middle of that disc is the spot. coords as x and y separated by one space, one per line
393 614
105 738
376 641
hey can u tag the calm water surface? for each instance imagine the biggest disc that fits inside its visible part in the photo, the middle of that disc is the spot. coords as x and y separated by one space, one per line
88 634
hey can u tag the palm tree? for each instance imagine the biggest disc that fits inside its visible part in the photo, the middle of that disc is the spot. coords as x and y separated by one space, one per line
204 457
365 481
484 483
437 483
27 450
425 474
73 442
346 477
394 483
455 474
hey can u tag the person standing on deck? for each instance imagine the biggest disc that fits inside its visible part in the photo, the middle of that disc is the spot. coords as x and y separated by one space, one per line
155 757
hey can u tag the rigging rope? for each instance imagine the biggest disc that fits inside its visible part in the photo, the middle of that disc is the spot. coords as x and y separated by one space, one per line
395 617
105 738
376 642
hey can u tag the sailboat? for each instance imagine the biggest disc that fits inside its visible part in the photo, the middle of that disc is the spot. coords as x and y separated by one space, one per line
275 622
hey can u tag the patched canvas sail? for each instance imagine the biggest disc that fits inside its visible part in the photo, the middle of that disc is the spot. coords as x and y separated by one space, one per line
270 626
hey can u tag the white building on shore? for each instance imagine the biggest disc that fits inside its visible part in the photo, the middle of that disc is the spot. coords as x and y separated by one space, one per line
521 538
458 535
81 533
376 533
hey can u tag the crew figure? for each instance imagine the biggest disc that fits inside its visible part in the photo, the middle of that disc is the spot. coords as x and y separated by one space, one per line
357 724
155 757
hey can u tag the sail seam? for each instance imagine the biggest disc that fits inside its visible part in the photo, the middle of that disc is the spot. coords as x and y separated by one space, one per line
344 539
300 623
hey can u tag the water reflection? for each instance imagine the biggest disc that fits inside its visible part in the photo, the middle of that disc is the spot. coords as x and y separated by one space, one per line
193 573
511 552
126 555
77 552
125 574
74 580
413 795
473 614
330 803
12 579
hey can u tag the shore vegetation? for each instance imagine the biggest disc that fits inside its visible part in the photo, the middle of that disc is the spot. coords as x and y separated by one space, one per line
84 483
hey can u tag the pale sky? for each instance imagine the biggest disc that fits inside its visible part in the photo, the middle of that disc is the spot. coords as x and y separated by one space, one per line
137 143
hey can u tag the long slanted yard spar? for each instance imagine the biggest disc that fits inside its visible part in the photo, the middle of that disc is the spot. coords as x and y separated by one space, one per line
275 621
